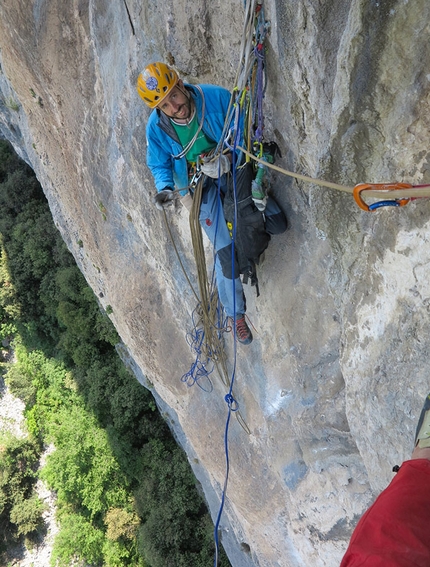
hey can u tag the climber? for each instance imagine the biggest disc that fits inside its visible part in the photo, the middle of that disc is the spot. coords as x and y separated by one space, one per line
187 122
394 531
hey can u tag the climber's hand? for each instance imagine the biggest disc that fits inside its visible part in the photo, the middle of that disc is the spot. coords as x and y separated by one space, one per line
215 167
164 198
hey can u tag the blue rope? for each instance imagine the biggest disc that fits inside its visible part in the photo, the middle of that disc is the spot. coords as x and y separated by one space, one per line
232 407
256 106
202 366
229 399
258 119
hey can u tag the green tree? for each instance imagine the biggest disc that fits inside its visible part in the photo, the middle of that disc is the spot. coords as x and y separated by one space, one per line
82 469
121 524
26 514
20 508
78 539
112 446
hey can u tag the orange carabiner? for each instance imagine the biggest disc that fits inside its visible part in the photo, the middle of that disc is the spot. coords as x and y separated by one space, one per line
358 189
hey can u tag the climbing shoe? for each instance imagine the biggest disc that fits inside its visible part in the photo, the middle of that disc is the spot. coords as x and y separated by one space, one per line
422 436
243 332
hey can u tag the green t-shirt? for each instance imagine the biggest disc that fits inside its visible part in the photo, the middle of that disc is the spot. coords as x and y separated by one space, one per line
186 133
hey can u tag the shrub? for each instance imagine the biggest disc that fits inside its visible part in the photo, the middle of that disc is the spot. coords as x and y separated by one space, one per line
27 514
20 508
21 385
121 523
112 447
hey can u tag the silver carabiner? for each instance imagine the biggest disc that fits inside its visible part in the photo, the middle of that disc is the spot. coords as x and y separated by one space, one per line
195 178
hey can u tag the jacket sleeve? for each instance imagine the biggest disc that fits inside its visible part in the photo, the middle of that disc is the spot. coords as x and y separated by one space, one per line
158 159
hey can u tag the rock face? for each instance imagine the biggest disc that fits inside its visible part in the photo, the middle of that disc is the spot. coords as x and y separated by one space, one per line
333 383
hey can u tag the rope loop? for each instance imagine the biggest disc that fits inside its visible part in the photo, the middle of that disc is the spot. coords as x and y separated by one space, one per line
231 402
383 187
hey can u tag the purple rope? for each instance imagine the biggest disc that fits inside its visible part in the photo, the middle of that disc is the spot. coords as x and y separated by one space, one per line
259 55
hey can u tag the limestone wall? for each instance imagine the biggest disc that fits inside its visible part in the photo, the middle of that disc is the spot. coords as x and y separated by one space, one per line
333 383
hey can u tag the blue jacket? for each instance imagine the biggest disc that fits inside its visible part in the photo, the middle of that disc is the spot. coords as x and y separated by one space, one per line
163 143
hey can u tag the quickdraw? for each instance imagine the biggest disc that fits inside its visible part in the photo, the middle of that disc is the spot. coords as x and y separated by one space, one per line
383 187
195 179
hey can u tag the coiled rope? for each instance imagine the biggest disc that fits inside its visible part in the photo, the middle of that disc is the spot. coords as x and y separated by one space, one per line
212 322
209 326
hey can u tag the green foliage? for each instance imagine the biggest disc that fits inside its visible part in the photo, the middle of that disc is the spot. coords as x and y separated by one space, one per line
121 523
26 514
116 554
111 448
83 470
20 385
9 161
79 539
176 532
9 307
20 508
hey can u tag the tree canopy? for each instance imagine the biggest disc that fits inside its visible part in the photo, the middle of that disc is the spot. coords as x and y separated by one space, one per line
125 491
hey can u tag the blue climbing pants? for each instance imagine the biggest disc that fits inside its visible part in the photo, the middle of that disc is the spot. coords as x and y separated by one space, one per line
213 222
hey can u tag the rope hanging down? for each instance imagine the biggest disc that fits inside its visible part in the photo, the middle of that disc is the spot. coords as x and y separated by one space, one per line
246 107
246 102
208 309
210 326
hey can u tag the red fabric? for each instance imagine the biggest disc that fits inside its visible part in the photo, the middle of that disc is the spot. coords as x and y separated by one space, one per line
395 530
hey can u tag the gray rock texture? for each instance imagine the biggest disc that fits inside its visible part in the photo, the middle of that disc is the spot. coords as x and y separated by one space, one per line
333 383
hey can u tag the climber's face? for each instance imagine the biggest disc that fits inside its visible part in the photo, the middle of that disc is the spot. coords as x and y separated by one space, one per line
177 104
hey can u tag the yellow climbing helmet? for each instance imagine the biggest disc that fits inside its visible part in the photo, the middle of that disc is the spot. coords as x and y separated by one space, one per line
155 82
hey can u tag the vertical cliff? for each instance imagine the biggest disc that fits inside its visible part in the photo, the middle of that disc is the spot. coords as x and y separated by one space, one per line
332 385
